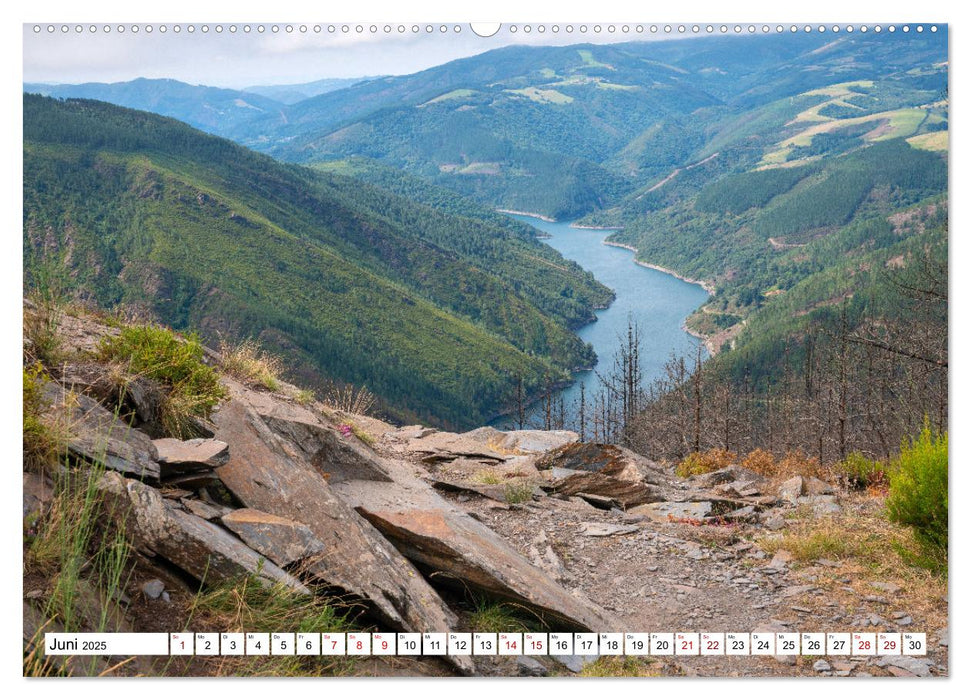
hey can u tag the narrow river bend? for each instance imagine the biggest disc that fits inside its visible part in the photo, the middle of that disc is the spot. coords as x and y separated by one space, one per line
657 301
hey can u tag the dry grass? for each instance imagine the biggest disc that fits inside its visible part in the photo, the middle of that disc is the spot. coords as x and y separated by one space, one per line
487 477
347 399
621 667
704 462
866 548
250 364
758 460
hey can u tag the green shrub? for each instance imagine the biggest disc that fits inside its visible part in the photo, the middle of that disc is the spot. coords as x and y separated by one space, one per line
193 388
918 495
518 492
859 472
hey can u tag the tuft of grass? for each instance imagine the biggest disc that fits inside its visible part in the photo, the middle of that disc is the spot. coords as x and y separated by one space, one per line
73 548
518 492
487 477
825 540
347 399
250 364
42 441
48 295
620 667
492 616
304 397
363 435
192 387
249 605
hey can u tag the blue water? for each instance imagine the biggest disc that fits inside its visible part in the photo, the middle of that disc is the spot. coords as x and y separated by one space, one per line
656 301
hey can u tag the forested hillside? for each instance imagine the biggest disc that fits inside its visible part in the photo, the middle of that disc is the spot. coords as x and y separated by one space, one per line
351 282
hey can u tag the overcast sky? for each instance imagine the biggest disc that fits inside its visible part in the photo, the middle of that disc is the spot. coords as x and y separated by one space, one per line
238 59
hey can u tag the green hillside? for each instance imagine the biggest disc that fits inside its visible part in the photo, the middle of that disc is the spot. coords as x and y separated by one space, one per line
346 279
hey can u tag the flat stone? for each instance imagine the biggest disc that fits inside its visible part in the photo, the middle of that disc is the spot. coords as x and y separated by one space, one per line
601 502
792 489
445 447
774 521
203 550
206 511
746 514
413 432
179 456
280 540
667 510
153 589
606 460
528 666
817 487
739 477
791 591
533 441
606 529
821 665
916 665
891 588
37 494
900 672
575 663
96 435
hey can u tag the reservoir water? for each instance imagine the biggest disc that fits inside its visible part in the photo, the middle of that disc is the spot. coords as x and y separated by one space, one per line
657 301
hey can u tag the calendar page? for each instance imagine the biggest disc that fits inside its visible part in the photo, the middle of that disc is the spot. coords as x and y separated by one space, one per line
516 349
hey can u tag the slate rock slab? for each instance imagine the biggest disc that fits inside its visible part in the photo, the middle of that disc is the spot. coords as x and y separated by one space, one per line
96 435
666 510
198 547
269 473
180 456
282 541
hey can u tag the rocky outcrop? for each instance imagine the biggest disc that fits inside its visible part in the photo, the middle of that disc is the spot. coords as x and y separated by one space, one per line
454 548
197 546
94 434
269 475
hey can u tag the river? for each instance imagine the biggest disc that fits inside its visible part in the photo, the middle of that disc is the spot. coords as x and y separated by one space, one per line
656 301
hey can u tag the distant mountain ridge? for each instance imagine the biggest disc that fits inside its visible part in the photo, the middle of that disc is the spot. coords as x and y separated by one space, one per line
297 92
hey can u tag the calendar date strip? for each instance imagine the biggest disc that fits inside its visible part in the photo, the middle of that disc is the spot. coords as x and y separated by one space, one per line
487 644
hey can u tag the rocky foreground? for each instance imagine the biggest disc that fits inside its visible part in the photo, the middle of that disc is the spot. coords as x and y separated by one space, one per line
410 524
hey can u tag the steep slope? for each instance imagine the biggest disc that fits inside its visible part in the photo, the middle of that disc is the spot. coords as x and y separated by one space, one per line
203 233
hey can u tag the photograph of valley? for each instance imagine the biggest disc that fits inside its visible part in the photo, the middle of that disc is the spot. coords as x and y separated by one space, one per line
337 329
